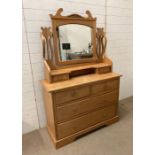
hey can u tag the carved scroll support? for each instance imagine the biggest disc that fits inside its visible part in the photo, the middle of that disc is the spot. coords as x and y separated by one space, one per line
46 37
101 43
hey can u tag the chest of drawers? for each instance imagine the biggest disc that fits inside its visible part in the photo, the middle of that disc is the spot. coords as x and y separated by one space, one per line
80 94
80 105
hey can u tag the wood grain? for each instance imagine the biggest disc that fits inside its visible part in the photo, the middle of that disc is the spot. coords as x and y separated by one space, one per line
79 95
71 94
61 142
105 86
83 80
79 108
70 127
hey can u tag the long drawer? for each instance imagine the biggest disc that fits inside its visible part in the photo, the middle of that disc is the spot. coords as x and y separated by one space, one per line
75 125
78 108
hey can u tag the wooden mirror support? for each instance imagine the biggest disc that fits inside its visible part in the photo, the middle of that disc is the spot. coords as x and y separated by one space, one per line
79 95
47 46
53 65
101 43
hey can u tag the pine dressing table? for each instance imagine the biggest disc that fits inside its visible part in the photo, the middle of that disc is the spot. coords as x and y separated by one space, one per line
80 91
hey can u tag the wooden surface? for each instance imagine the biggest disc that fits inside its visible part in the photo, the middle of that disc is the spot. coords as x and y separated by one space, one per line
71 94
101 43
80 104
72 137
73 68
82 80
105 86
77 108
79 95
85 121
49 108
50 40
55 75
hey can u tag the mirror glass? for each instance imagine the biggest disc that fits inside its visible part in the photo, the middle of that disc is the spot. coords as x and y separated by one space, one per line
75 42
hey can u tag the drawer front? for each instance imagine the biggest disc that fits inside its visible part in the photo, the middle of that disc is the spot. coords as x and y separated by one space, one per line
104 70
78 108
72 94
73 126
105 86
57 78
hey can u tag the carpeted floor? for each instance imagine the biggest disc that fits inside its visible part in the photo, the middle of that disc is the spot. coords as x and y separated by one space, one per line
115 139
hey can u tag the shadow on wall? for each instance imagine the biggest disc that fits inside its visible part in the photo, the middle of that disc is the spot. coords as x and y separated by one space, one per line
26 127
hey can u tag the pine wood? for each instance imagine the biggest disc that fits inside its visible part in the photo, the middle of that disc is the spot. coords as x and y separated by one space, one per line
106 86
49 36
80 103
54 75
75 125
75 109
79 95
49 107
69 139
101 43
71 94
82 80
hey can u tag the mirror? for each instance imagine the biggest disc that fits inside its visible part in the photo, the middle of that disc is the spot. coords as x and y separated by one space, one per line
75 42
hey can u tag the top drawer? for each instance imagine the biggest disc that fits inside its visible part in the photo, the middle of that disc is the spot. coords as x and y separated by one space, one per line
72 94
105 86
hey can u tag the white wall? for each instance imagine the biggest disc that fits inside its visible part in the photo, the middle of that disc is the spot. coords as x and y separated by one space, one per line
119 34
118 18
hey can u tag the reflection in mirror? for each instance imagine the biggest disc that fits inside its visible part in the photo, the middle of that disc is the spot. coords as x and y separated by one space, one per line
75 42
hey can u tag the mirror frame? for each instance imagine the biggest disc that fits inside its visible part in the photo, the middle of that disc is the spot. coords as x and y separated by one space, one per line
59 20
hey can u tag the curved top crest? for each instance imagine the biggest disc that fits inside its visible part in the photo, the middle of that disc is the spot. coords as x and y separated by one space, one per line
60 10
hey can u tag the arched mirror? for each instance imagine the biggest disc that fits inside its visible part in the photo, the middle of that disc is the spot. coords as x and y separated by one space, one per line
75 42
73 39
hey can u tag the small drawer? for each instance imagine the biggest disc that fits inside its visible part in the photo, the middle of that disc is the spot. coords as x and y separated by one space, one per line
62 77
71 94
75 125
103 70
105 86
79 108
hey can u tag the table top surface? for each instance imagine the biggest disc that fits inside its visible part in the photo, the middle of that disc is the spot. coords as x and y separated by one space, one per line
76 81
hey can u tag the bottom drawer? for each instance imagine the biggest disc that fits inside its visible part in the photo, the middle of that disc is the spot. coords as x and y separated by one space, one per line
75 125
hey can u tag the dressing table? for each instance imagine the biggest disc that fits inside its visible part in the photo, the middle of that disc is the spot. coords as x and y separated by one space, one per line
80 89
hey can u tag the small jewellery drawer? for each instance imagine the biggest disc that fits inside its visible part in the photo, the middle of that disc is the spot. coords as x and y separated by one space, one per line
71 94
104 70
61 77
80 123
78 108
105 86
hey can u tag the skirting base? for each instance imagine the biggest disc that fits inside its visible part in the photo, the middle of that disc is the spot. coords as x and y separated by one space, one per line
61 142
